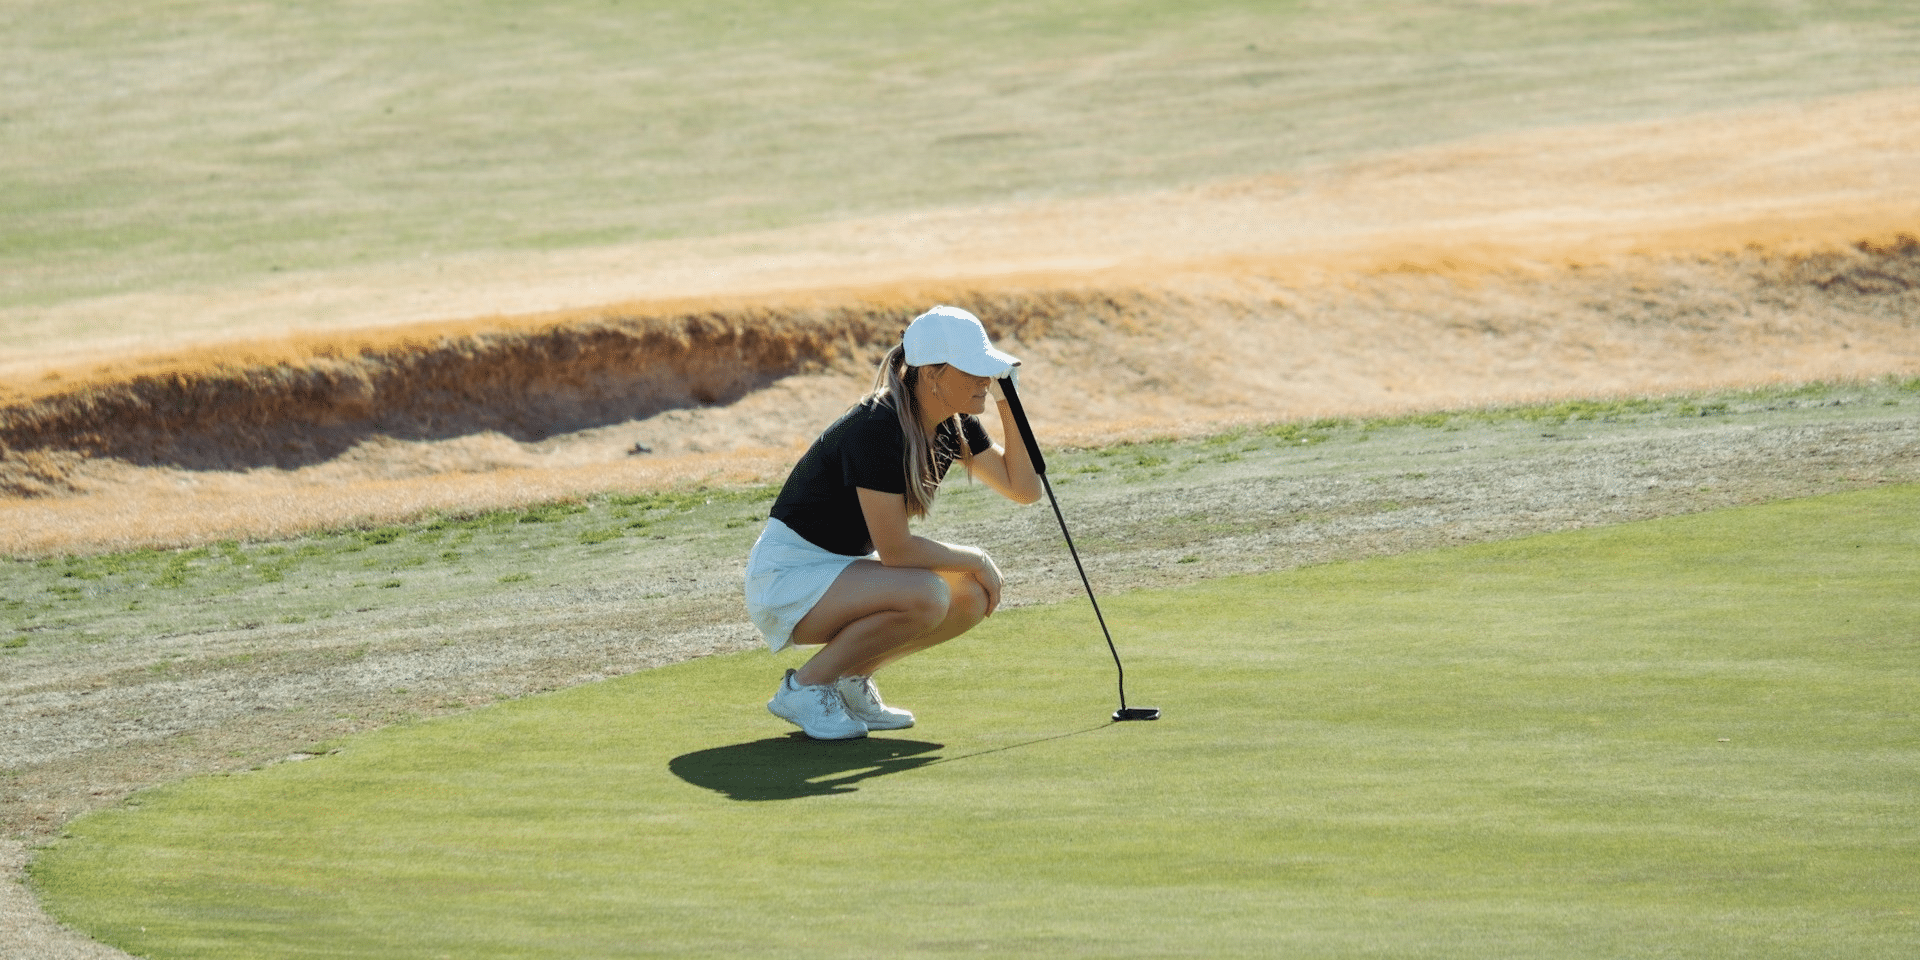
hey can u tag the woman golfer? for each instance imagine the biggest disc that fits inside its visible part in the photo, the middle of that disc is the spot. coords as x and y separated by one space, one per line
837 568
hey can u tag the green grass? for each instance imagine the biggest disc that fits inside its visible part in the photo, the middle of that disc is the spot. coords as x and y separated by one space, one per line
206 142
1689 737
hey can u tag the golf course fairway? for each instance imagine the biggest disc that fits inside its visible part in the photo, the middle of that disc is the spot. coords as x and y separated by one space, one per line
1691 737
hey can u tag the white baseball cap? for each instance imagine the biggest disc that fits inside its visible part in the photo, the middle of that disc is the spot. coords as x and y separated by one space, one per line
952 335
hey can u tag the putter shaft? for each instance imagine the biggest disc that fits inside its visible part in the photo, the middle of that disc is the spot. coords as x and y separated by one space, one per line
1040 467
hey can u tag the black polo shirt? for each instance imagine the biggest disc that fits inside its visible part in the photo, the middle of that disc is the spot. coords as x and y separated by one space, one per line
864 448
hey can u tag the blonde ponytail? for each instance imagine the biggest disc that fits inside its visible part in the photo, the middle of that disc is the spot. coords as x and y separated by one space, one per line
894 382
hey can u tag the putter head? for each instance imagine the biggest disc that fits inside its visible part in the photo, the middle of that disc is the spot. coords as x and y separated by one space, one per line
1136 713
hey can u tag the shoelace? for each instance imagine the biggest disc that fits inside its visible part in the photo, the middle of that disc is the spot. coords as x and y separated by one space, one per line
830 701
869 696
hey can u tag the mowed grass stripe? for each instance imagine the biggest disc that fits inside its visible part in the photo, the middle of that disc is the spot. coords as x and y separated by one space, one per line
1688 737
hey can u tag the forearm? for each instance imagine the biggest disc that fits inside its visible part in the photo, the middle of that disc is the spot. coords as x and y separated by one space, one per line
928 554
1023 481
1019 462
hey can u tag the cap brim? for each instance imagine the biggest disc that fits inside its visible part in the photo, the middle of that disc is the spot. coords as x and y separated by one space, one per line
993 364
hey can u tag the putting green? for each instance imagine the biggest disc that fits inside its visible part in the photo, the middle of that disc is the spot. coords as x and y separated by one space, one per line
1692 737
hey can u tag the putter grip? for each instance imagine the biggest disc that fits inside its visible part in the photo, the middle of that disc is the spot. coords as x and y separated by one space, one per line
1026 429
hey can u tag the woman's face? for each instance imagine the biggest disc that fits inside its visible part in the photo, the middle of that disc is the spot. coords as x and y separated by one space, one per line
961 390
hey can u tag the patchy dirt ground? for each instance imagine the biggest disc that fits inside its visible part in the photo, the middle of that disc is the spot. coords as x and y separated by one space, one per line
87 730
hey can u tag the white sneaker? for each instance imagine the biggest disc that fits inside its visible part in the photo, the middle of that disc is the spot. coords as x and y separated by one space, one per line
863 704
816 709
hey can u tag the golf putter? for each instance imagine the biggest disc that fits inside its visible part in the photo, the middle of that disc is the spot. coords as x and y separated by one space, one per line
1040 467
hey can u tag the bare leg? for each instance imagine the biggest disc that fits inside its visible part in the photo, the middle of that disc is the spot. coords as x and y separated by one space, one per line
875 614
965 610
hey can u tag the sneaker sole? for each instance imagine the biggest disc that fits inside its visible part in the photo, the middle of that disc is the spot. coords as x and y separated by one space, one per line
850 735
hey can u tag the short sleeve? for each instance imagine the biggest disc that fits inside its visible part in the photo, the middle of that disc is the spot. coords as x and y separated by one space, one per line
977 440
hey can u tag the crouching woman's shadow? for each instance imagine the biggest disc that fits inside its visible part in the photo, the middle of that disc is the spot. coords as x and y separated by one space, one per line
791 767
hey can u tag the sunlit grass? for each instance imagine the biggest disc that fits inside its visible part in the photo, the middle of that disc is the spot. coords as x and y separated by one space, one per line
1687 737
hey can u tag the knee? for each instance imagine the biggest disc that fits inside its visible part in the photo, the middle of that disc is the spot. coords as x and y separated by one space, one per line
968 602
927 604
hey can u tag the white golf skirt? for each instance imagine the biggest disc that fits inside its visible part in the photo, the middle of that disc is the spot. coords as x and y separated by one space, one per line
786 575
